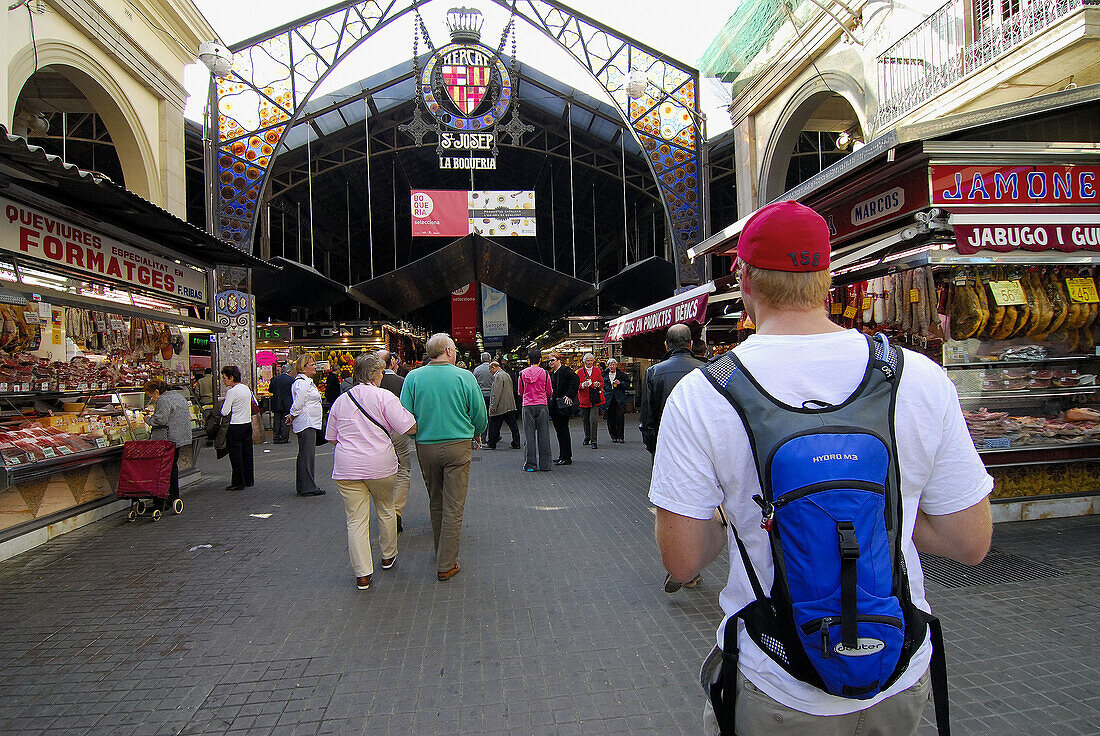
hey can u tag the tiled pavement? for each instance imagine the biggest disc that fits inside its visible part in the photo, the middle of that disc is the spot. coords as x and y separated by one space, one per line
557 623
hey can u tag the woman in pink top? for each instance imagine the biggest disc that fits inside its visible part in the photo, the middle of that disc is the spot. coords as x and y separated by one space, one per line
535 388
365 464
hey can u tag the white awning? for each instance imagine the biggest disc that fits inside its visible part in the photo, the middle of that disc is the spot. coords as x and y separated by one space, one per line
687 306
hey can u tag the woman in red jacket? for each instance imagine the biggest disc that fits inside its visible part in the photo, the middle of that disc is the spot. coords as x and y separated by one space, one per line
591 397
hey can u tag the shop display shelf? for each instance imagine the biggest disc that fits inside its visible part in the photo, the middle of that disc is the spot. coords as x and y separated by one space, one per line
14 474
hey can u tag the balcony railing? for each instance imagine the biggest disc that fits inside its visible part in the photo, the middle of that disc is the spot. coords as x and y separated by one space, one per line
955 41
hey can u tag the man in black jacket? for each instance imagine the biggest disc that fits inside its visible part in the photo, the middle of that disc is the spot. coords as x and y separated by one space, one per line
280 405
565 385
660 379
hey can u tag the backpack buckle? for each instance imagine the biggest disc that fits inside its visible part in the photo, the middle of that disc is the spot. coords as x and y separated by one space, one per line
849 545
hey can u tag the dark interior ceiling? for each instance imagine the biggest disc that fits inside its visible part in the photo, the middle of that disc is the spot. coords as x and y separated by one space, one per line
589 235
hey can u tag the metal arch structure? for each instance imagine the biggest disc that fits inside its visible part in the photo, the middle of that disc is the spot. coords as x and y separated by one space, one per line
275 74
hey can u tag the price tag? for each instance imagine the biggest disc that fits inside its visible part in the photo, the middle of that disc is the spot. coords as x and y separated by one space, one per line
31 317
117 325
49 452
997 443
100 324
1007 293
866 302
749 325
914 296
836 308
741 326
850 313
13 460
1082 291
65 450
100 441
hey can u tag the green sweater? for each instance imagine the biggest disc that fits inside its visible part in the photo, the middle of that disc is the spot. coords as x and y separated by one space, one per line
446 402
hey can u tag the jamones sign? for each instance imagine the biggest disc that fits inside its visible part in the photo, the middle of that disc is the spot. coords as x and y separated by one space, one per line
28 232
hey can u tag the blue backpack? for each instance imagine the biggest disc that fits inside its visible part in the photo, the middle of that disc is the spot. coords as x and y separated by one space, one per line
840 615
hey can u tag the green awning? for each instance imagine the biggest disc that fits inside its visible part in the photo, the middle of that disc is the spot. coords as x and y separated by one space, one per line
753 24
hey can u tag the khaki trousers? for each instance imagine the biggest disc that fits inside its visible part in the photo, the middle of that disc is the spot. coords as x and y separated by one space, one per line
446 470
357 496
403 446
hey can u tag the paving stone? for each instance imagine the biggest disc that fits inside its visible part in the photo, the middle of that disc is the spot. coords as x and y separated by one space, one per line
557 624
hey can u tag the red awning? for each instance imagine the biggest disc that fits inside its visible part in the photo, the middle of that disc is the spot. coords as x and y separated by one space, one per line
688 306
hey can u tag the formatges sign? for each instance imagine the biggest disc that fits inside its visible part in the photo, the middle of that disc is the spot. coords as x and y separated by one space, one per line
31 233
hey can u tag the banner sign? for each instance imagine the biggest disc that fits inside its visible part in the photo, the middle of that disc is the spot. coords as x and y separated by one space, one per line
440 213
1007 184
464 314
34 234
446 213
494 312
691 306
358 332
870 209
970 238
585 326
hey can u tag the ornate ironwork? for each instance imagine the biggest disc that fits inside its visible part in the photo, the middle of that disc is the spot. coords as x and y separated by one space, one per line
935 54
273 75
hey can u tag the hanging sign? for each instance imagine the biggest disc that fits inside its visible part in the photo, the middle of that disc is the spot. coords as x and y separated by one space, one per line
466 89
464 314
1019 184
494 312
444 213
38 236
1063 236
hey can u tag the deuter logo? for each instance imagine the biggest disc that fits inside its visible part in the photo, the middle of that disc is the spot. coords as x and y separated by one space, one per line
826 458
422 204
864 647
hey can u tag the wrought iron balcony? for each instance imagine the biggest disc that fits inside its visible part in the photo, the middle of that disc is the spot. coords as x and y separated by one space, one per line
957 40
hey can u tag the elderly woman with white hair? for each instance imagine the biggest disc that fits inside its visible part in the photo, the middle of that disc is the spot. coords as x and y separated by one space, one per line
365 464
591 398
617 385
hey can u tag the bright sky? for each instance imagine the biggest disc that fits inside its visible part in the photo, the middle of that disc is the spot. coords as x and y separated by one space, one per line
681 35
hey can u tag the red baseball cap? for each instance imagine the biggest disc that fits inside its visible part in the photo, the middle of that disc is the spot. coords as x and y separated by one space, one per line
785 236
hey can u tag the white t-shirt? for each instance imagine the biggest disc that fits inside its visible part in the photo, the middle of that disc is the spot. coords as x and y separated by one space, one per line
238 404
704 460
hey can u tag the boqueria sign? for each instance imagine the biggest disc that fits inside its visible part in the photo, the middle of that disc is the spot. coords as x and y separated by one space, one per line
38 236
688 306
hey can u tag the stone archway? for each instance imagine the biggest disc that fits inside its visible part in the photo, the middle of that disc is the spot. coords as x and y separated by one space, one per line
830 104
275 74
106 96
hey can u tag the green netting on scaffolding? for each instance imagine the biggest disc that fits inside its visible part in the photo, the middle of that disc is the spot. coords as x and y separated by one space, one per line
753 24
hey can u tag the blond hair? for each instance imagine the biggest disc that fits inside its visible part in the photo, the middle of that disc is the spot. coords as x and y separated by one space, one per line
789 290
303 360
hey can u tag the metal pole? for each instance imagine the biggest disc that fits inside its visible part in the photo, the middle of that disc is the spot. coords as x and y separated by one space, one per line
626 233
393 171
309 181
553 223
370 215
347 206
298 224
572 204
595 255
64 137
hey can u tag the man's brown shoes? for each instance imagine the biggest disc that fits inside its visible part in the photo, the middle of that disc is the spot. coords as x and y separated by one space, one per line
441 576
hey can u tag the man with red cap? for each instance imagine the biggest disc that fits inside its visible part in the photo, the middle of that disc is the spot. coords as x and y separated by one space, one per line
801 361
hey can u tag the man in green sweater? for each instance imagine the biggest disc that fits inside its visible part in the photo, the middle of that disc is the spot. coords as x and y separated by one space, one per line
450 416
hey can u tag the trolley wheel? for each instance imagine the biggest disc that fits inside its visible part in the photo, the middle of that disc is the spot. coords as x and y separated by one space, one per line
141 507
177 506
156 515
132 514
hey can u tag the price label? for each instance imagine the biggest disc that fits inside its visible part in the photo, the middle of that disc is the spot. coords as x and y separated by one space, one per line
997 443
749 324
31 317
866 302
117 325
741 326
1082 291
65 450
13 460
914 296
1007 293
49 452
836 308
100 324
850 313
100 441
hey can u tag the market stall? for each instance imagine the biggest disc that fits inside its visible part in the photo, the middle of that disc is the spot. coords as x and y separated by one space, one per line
982 256
100 291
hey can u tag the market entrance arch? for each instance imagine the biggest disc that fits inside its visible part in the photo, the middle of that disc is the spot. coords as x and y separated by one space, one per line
274 75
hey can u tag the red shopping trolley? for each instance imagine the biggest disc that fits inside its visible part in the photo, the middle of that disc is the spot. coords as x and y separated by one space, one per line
145 477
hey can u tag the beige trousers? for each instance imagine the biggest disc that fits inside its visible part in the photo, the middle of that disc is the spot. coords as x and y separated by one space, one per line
403 446
357 496
446 470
